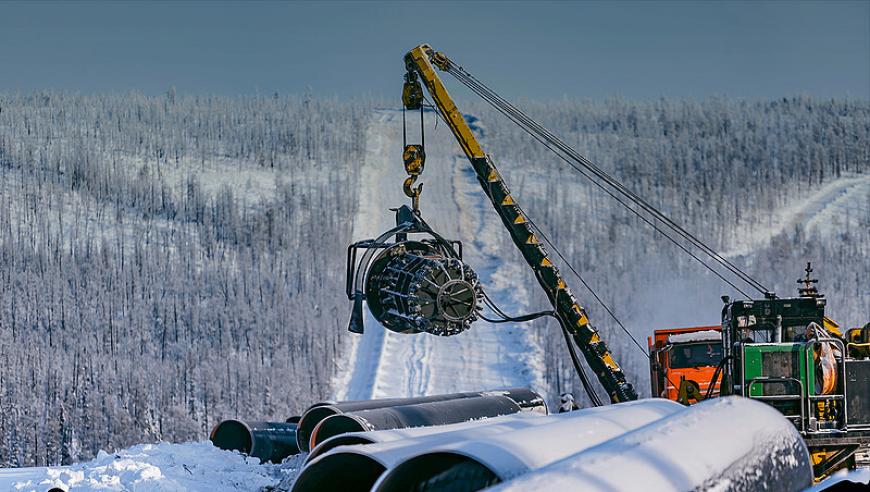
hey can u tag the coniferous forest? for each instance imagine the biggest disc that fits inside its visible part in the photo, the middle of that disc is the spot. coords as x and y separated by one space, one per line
167 261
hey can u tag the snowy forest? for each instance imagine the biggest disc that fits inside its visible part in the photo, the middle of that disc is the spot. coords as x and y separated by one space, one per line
168 261
740 175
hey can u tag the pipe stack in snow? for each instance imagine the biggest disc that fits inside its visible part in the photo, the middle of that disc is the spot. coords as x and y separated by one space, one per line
487 451
269 441
728 443
340 463
474 464
274 441
419 415
732 444
522 398
407 435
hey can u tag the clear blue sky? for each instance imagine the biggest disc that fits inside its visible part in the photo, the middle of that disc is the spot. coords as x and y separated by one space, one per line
525 49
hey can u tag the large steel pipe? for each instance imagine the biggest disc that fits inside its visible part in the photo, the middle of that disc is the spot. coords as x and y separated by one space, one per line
332 460
269 441
419 415
727 444
413 434
524 397
473 464
344 463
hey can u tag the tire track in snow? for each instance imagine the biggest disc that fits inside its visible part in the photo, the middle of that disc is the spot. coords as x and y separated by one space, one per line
354 375
814 210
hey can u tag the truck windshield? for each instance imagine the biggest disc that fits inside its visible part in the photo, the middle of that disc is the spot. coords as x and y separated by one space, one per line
695 354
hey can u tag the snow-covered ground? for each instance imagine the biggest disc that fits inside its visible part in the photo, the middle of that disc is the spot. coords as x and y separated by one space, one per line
387 364
194 467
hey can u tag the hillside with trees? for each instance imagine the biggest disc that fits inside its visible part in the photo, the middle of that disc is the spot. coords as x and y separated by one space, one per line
168 261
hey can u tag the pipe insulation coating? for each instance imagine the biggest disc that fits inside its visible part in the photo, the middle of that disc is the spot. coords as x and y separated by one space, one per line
726 444
415 434
268 441
525 398
341 464
419 415
487 460
338 456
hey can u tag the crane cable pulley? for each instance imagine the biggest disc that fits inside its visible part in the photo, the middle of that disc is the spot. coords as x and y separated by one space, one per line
413 155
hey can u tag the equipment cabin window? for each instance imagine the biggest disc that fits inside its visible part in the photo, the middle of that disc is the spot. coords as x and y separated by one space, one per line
695 355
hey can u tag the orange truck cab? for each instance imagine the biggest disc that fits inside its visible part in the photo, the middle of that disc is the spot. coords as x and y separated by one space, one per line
687 357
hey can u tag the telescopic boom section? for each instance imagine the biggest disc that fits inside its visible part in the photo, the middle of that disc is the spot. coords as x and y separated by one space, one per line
421 61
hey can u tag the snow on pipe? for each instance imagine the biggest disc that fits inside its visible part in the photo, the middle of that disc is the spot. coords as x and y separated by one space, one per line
414 434
269 441
366 463
341 464
727 444
490 459
418 415
524 397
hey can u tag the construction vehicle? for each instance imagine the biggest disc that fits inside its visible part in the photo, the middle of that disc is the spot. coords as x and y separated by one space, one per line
683 362
783 352
788 354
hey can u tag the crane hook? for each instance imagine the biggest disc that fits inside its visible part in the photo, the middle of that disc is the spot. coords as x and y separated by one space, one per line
415 159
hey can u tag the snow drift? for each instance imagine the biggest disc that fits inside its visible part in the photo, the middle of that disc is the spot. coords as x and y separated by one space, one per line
164 467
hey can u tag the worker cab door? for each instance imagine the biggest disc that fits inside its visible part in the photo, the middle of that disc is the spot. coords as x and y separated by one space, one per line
685 357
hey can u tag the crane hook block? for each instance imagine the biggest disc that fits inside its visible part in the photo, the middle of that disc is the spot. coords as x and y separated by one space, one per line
412 93
415 158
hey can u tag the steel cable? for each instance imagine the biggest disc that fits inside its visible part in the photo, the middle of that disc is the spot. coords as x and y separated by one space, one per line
553 143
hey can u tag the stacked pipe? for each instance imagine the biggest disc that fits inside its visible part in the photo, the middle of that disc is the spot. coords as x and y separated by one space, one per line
275 441
487 451
477 463
732 444
728 443
396 413
268 441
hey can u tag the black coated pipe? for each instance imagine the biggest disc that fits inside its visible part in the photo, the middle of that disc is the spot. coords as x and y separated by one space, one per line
462 473
419 415
525 398
347 472
269 441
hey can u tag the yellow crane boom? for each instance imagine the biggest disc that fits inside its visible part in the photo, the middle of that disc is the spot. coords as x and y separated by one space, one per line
421 63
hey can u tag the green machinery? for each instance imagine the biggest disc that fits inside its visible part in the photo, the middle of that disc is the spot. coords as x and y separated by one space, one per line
786 353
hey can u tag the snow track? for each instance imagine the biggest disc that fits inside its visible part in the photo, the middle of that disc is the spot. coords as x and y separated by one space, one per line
386 364
825 208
